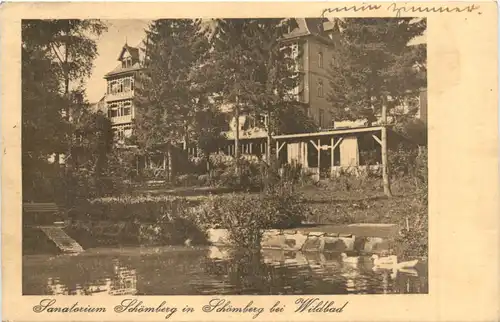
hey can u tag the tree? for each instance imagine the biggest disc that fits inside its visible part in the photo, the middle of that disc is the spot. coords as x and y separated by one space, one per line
208 131
231 69
293 119
69 43
275 73
54 53
258 71
166 98
375 70
373 64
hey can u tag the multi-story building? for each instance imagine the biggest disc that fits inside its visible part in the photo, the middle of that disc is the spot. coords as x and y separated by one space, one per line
314 37
120 91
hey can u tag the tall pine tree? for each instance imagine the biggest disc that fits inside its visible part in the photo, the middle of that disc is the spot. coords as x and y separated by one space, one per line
374 65
275 73
231 69
375 70
255 69
166 100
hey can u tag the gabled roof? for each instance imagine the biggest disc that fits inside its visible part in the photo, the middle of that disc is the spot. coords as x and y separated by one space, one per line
119 69
315 25
311 27
134 52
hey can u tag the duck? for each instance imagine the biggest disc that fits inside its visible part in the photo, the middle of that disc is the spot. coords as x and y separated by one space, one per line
392 262
349 260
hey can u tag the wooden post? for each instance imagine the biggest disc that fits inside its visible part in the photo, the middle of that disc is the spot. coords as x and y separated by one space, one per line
277 149
319 158
306 155
169 163
269 137
385 167
250 147
332 153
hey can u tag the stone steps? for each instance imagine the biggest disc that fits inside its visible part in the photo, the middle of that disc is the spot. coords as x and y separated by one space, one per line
62 240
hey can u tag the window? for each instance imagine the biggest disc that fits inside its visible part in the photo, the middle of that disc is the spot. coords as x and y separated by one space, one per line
320 88
321 117
122 108
121 85
320 59
261 120
126 63
126 83
295 50
127 108
122 131
112 110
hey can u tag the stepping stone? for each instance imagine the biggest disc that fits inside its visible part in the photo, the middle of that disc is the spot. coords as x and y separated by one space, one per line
312 244
295 241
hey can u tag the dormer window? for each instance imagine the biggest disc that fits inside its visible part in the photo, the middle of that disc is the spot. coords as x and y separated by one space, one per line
127 62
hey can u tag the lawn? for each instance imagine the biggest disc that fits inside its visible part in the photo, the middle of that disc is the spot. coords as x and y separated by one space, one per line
341 201
362 201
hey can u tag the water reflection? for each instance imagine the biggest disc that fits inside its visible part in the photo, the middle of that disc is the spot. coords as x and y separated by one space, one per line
121 281
167 271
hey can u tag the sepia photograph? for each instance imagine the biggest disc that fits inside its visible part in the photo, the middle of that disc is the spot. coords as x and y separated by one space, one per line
228 156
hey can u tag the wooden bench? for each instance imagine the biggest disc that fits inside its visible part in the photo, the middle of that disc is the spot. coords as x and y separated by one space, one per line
41 213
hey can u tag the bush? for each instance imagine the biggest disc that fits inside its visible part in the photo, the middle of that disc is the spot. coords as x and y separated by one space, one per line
204 179
220 161
245 216
286 204
402 161
250 178
240 214
187 180
158 220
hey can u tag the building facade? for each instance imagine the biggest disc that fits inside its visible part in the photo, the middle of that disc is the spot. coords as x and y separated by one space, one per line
312 37
119 98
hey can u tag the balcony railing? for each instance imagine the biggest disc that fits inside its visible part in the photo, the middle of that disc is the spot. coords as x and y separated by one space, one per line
119 96
121 119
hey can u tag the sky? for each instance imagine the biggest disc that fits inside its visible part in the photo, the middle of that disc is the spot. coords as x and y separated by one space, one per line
109 46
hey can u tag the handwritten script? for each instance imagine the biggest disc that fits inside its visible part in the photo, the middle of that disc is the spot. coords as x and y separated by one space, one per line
398 9
301 305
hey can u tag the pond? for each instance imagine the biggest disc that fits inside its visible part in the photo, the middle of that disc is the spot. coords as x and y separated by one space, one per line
210 271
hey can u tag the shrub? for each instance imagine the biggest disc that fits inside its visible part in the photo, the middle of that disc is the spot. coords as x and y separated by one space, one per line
402 161
240 214
286 205
158 220
187 180
245 216
204 179
220 160
250 177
